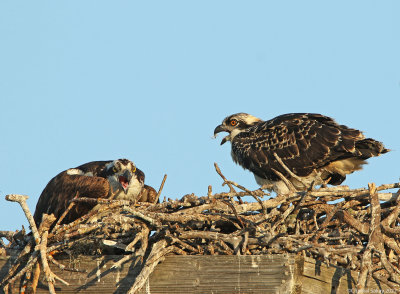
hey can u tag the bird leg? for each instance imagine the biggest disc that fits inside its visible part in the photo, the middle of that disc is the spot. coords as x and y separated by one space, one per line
268 187
290 186
293 175
318 179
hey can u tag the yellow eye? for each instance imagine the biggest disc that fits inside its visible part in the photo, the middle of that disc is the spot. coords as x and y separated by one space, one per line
133 169
114 169
234 122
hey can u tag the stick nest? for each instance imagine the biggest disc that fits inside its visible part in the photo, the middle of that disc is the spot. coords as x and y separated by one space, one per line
352 228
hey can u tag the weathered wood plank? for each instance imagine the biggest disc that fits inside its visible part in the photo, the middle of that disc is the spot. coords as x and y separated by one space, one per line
207 274
319 278
179 274
224 274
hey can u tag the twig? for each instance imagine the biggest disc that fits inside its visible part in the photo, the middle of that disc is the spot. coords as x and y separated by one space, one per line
234 212
231 189
46 268
182 244
70 206
157 253
140 215
21 199
293 175
141 236
36 276
254 195
161 188
7 234
63 267
289 184
10 279
101 201
245 242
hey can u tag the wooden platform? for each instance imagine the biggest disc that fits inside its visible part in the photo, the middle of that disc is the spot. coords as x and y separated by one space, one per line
206 274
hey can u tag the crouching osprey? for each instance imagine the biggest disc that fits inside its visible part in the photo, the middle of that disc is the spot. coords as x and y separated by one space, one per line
97 179
313 147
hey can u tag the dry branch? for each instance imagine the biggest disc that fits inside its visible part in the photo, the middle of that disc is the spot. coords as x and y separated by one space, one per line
160 189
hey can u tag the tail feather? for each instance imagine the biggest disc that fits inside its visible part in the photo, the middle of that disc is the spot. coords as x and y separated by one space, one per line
369 148
337 170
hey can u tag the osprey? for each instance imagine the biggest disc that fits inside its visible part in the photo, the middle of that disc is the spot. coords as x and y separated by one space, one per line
313 147
97 179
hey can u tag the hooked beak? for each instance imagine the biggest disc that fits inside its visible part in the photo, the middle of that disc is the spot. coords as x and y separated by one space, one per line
219 129
125 179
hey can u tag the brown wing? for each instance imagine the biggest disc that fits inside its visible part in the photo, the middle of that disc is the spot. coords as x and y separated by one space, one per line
148 194
97 168
303 141
62 188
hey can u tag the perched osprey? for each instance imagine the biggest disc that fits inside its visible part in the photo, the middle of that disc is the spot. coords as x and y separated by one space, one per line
312 146
97 179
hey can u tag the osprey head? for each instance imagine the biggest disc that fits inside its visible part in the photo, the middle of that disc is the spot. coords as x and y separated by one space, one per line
122 174
234 124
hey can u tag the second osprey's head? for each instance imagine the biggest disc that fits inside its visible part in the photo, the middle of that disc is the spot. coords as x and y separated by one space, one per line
234 124
124 178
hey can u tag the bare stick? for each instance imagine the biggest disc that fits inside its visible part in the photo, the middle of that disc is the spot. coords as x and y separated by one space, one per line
161 188
249 193
10 279
285 180
183 244
231 189
101 201
142 216
63 267
139 237
156 255
46 268
209 192
245 242
7 234
374 232
293 175
233 240
70 206
35 278
234 212
21 199
124 259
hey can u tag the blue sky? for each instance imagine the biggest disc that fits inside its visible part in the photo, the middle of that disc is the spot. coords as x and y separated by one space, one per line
150 80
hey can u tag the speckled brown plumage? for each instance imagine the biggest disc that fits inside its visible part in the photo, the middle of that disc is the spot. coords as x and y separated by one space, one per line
149 194
304 141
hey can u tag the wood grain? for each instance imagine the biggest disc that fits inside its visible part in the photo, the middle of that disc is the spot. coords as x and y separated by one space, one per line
176 274
206 274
